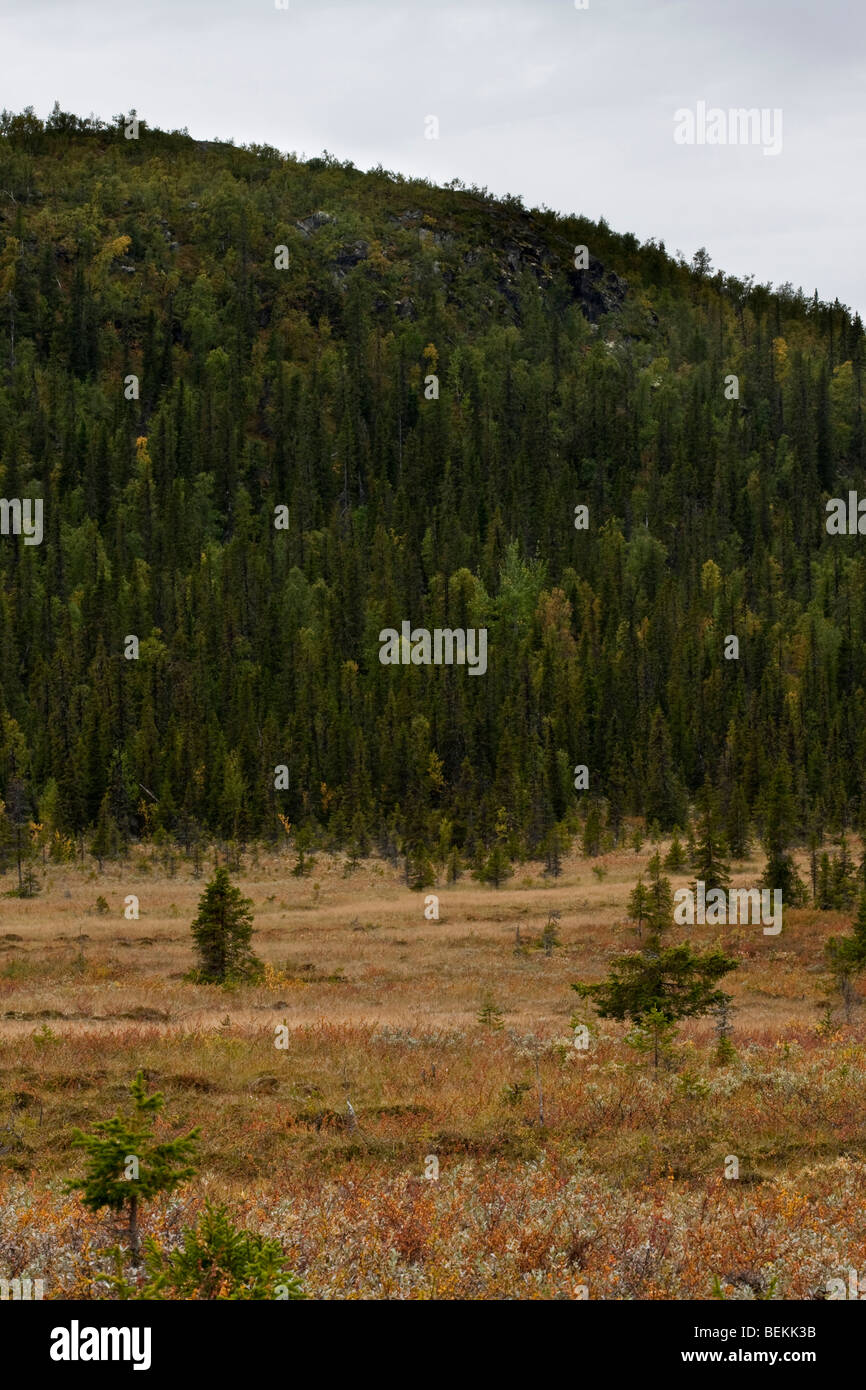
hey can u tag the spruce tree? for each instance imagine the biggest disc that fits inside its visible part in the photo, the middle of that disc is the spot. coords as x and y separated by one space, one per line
710 865
664 795
497 867
616 796
737 823
660 898
824 899
214 1261
125 1164
846 955
592 831
553 850
490 1015
844 877
222 932
675 859
780 818
658 984
639 906
105 838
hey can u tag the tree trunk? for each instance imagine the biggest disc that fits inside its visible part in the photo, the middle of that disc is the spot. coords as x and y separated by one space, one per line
540 1094
134 1241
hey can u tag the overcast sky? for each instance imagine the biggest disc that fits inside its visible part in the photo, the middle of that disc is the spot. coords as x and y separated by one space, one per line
570 108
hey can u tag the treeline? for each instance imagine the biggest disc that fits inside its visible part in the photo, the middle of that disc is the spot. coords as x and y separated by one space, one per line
254 470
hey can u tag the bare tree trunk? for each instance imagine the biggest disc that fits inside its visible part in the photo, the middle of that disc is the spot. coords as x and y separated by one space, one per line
134 1241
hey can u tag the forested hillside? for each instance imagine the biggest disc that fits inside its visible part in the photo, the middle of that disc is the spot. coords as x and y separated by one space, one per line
314 388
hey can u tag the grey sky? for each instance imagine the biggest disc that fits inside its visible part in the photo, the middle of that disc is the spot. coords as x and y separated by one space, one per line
570 108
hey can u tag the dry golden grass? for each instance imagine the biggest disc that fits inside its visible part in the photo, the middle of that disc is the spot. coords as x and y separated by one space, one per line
381 1007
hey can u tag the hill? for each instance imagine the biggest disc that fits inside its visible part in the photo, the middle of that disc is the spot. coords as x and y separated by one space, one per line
274 407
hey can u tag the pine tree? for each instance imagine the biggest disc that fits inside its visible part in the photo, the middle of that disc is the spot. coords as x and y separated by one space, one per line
125 1164
779 824
658 985
844 877
665 799
553 850
222 932
497 867
709 861
639 906
592 831
660 898
675 859
846 956
105 838
490 1015
737 823
214 1261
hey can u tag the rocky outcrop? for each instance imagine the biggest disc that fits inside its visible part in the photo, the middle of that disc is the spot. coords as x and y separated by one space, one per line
597 290
308 225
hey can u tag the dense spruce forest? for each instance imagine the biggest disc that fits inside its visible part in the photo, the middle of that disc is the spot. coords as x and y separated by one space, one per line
253 460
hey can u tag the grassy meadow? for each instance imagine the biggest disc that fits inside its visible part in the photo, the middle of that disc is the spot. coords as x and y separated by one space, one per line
562 1172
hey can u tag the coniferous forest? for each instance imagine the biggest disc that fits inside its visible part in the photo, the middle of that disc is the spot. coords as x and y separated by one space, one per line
273 406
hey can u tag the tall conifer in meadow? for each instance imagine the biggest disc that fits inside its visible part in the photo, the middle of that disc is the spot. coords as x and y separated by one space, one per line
222 932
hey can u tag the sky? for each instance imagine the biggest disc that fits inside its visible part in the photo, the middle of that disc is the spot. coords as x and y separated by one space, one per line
572 108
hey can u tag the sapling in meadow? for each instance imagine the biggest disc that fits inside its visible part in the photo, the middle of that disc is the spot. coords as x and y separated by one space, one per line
127 1166
490 1015
846 958
658 985
215 1261
550 934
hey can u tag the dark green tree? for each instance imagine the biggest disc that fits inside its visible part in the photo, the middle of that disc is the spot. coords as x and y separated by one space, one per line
737 823
127 1166
710 863
222 932
659 985
675 859
846 957
664 793
215 1261
497 867
780 819
592 831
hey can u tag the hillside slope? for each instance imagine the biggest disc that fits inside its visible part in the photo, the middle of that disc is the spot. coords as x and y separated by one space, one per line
313 388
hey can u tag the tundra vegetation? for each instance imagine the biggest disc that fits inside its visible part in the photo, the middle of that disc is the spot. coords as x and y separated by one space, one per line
561 1166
